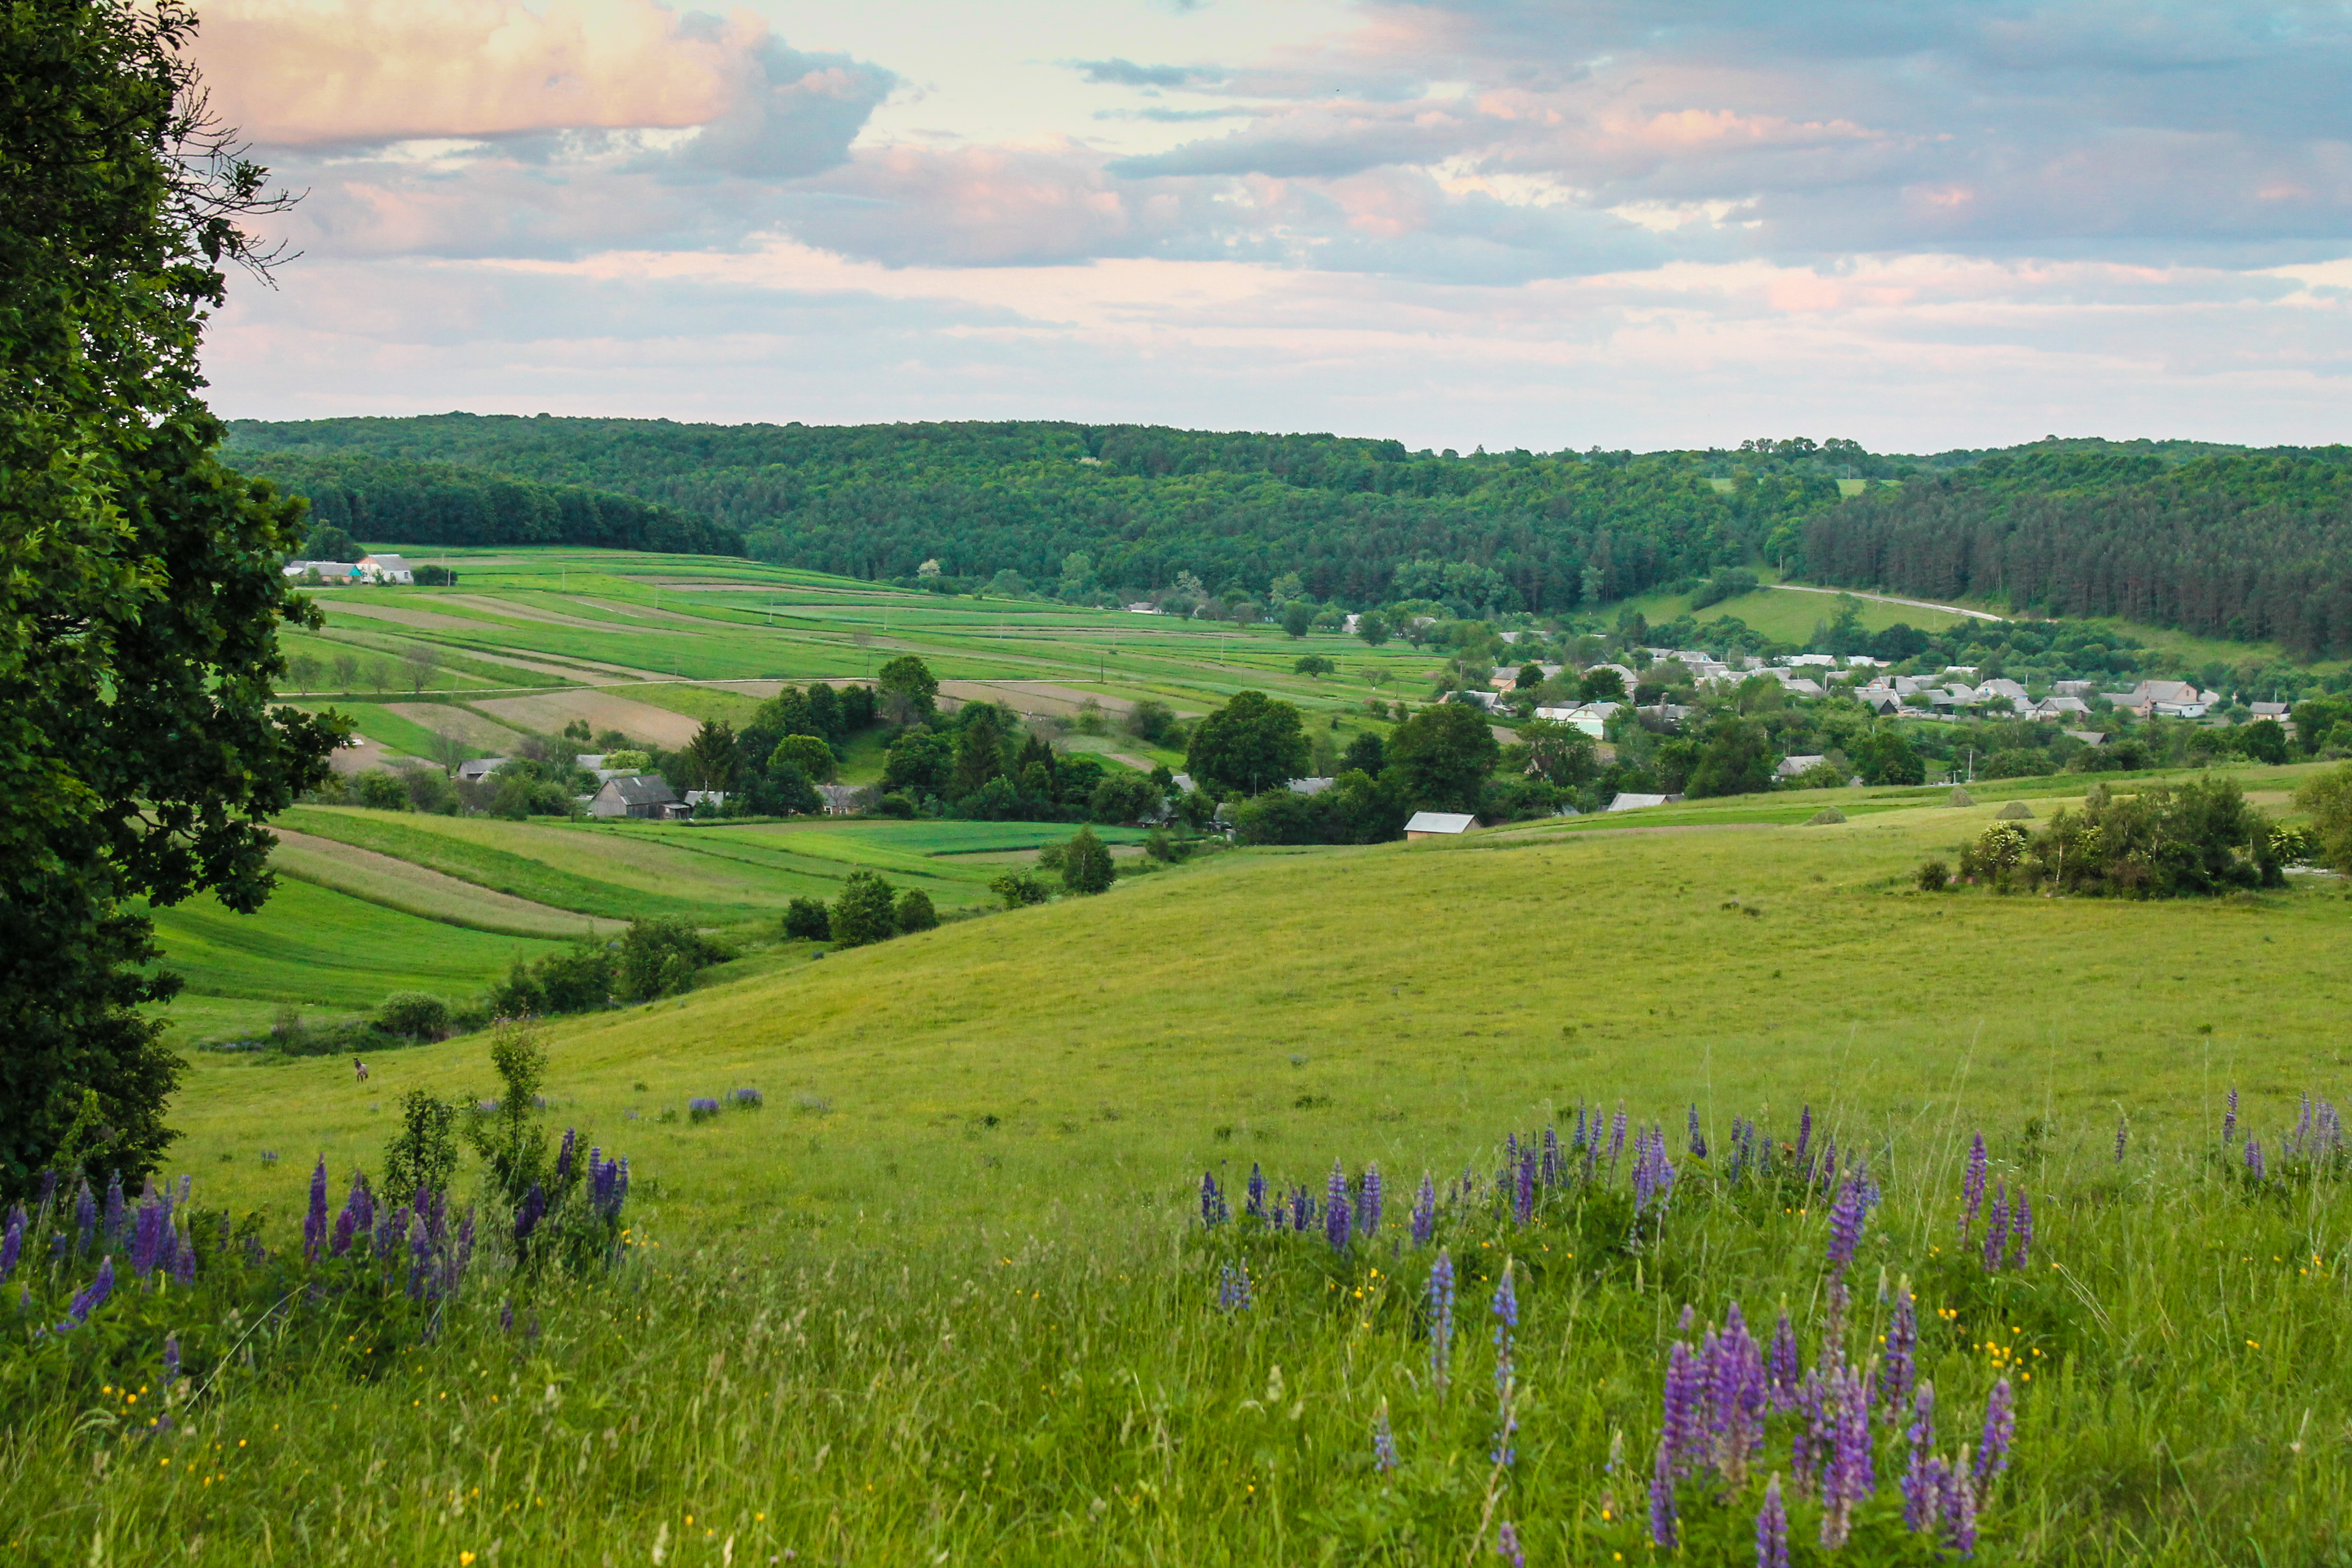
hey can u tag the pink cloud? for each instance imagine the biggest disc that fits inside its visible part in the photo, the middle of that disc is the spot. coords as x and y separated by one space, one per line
378 70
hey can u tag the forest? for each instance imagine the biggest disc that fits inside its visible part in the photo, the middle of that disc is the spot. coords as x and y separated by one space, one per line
2221 541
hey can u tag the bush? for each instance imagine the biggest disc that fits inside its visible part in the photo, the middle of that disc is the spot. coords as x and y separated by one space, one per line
805 921
864 913
895 804
1124 798
578 981
1019 889
376 790
1086 864
1934 876
417 1015
915 912
424 1152
661 958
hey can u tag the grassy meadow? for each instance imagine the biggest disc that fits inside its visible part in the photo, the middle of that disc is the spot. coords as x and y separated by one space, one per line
948 1295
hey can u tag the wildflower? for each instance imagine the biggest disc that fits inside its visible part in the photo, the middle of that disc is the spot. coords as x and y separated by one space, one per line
1804 1134
1902 1341
2230 1120
11 1241
527 1217
1213 1202
1507 1319
184 1261
1997 1229
2254 1158
1922 1480
1735 1397
2000 1426
314 1223
2123 1135
1507 1546
2021 1227
1254 1204
171 1359
701 1109
1772 1528
1847 1478
1336 1208
1662 1500
1235 1293
564 1159
90 1301
1523 1189
505 1316
1551 1162
1384 1448
747 1100
1616 1136
1697 1138
1782 1372
1845 1224
1972 1188
114 1209
1368 1201
1960 1510
1441 1319
1681 1433
1425 1211
85 1218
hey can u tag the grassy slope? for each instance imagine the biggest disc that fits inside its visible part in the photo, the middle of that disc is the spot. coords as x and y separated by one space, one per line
1433 992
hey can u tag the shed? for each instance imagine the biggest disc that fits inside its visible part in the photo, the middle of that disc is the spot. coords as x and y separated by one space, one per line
1793 767
474 770
1439 824
1627 801
633 794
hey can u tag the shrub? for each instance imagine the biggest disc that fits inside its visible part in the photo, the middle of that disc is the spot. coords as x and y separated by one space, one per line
915 912
424 1154
577 981
864 912
507 1134
805 921
895 804
1934 876
1019 889
376 790
418 1015
2328 798
661 958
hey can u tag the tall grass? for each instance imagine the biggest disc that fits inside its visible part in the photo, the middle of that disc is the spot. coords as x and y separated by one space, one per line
2177 1343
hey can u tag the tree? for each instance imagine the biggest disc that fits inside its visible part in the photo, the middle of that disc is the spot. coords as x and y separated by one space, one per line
1085 863
1442 757
920 761
2264 741
1296 616
709 759
1885 757
1019 889
1365 753
1735 760
980 749
380 675
1252 743
1124 798
1603 686
1530 676
141 582
328 542
1152 722
304 670
347 671
810 755
424 1154
418 668
866 912
1373 627
805 921
915 912
1558 752
1313 664
909 694
2328 798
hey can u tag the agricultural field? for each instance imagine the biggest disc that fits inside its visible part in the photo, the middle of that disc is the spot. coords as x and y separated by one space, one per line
968 1189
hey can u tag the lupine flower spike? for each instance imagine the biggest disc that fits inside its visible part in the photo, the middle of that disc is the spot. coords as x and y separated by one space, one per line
1923 1480
1441 1320
2123 1136
1972 1188
1997 1230
1335 1208
2021 1227
1384 1448
1507 1546
1663 1534
1507 1383
1425 1211
314 1224
1902 1341
1772 1528
2254 1158
2000 1426
2230 1121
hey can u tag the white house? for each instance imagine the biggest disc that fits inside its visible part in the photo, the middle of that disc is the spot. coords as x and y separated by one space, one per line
1439 824
328 571
385 569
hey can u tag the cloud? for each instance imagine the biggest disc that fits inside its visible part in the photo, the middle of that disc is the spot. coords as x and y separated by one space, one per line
1126 73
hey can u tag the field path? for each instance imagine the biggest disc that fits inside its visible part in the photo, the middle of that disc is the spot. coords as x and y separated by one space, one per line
1883 599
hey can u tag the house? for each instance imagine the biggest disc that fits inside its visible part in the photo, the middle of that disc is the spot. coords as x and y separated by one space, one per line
842 800
479 768
1439 824
2052 709
1803 688
1802 660
2072 687
1623 674
1879 699
1486 699
2088 737
1624 800
1796 767
644 796
1183 782
2172 697
328 571
2272 711
1140 608
1593 718
2001 687
714 799
385 569
1308 786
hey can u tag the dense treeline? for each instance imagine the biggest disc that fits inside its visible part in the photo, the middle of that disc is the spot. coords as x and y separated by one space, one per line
2253 546
1235 510
411 502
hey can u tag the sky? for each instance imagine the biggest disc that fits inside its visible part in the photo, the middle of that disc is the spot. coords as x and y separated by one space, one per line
1461 223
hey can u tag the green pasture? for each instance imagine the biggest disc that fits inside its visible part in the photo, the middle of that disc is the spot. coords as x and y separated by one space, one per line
314 945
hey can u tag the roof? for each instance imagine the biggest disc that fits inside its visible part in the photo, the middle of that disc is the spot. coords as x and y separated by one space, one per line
1791 766
480 767
2268 710
1310 787
641 789
1628 801
1441 822
2089 737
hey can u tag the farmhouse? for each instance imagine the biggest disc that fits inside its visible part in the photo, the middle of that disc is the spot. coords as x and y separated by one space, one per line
1793 767
1439 824
842 800
385 569
633 794
474 770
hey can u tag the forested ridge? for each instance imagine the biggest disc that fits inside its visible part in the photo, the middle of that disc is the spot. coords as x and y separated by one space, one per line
2221 542
2250 546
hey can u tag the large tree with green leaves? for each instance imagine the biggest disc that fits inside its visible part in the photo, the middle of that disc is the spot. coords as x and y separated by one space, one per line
1254 743
138 751
1443 756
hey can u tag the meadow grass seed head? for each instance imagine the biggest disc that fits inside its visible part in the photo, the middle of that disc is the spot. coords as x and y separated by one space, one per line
2123 1136
1772 1528
2230 1120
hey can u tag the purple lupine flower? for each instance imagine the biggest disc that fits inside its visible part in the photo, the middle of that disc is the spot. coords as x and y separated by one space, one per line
90 1301
1523 1189
701 1109
1829 1162
1849 1479
1922 1481
1960 1510
1235 1293
146 1238
2230 1121
1254 1204
1336 1209
420 1258
564 1159
167 1249
1845 1224
1682 1431
1735 1389
505 1316
1213 1202
184 1260
1644 1177
1554 1170
1507 1546
1772 1528
2123 1135
13 1241
1441 1320
2254 1158
1697 1138
1996 1241
527 1217
1617 1136
1384 1448
1897 1374
170 1360
2021 1226
1425 1211
1781 1372
2000 1426
1804 1133
85 1218
1662 1500
1584 1135
115 1209
1506 1382
1302 1209
314 1223
1972 1186
1368 1201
